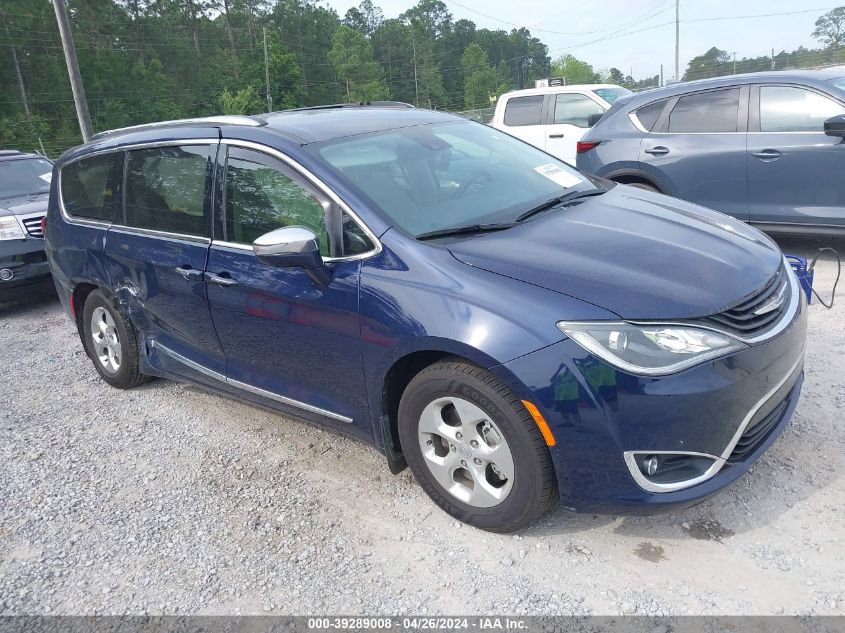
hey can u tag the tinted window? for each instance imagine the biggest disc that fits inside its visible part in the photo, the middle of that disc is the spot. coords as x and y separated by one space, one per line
166 188
524 110
714 111
91 187
261 196
22 176
575 109
784 109
612 94
649 114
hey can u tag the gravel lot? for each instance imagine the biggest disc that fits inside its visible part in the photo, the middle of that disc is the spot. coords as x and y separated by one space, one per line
169 499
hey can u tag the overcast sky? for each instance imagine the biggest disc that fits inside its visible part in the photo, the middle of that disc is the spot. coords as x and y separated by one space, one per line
602 31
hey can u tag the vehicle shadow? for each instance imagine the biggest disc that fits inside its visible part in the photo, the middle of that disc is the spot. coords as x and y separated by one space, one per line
44 299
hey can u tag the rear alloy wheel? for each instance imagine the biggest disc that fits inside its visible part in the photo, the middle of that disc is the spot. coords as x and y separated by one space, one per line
109 338
474 448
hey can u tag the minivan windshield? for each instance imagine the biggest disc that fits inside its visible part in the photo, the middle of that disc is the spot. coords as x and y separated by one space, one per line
432 177
25 176
612 94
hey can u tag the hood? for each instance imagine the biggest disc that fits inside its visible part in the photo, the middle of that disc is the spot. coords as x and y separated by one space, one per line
23 205
638 254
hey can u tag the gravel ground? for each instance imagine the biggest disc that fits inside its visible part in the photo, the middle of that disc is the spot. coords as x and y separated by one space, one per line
169 499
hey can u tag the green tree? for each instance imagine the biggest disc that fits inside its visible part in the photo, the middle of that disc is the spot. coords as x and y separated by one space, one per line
352 57
244 101
714 63
480 81
366 18
574 70
830 29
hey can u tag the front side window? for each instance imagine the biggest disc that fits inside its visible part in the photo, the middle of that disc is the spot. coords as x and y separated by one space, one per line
521 111
25 177
575 109
437 176
166 189
261 196
706 112
90 187
786 109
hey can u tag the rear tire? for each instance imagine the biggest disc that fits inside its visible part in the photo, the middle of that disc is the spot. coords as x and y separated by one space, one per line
474 448
111 343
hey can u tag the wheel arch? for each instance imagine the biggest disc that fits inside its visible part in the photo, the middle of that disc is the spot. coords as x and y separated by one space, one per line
629 176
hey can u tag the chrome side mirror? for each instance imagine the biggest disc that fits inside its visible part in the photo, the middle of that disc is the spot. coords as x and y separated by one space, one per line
289 246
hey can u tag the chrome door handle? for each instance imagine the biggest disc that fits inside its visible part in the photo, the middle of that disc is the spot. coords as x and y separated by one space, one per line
188 272
555 135
220 280
657 151
767 154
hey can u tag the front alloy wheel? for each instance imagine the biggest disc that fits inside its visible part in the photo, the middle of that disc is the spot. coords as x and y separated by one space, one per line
474 448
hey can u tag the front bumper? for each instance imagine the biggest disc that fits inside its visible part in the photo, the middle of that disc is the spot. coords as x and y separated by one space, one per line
598 414
23 268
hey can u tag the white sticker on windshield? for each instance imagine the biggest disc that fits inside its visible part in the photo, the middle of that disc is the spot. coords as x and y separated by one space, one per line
48 177
558 175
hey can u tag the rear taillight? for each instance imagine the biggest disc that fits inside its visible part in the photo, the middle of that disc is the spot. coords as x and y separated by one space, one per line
44 226
585 146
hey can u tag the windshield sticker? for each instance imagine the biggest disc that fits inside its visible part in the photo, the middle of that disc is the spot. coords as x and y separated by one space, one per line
558 175
48 177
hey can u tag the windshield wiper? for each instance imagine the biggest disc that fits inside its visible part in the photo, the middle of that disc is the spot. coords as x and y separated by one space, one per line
566 198
466 229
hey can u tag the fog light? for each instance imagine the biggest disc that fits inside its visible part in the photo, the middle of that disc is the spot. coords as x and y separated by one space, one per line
650 465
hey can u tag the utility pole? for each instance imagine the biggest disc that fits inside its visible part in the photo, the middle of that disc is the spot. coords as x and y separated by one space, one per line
773 59
416 83
677 40
267 74
73 70
734 62
660 83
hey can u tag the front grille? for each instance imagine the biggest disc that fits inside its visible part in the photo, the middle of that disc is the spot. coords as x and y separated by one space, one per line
33 225
755 314
763 422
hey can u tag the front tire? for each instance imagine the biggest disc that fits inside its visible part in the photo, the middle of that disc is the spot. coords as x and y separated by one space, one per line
474 448
110 341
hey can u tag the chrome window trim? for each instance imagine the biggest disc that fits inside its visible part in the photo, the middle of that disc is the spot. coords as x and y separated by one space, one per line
323 187
248 387
137 230
103 224
721 460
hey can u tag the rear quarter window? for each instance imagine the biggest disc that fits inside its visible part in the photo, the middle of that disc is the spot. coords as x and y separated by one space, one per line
648 114
90 187
521 111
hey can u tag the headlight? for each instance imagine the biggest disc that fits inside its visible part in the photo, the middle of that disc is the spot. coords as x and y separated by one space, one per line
650 350
10 229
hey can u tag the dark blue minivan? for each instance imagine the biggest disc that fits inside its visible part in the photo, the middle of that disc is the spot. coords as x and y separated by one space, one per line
511 329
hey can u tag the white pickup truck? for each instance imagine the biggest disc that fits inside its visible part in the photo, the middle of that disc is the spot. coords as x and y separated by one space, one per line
555 118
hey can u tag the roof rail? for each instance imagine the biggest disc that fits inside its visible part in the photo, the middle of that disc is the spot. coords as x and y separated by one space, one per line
10 152
333 106
226 119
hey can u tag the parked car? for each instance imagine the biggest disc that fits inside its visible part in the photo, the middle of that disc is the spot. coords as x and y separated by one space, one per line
512 330
554 119
766 148
24 190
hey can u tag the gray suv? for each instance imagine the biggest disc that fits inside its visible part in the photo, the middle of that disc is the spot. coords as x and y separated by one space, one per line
766 148
24 192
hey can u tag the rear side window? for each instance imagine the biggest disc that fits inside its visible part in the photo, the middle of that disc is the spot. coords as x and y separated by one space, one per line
785 109
523 110
91 187
648 114
706 112
575 109
166 189
261 196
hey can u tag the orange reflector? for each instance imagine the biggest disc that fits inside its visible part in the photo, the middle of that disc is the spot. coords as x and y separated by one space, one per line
541 423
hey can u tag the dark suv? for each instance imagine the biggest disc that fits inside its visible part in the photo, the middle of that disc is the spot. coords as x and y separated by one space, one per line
24 190
766 148
512 330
